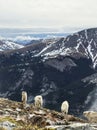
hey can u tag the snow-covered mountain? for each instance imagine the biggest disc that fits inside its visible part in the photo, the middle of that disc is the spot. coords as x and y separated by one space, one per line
59 69
83 44
9 45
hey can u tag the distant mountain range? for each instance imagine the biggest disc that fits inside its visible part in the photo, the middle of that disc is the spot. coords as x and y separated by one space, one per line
6 45
59 69
25 36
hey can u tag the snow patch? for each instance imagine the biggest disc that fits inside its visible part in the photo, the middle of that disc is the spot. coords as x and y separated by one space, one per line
8 45
86 34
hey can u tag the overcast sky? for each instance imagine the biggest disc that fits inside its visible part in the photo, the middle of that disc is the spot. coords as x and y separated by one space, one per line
61 14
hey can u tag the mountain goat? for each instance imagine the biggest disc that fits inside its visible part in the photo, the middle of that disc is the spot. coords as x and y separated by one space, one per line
65 107
24 98
38 101
91 116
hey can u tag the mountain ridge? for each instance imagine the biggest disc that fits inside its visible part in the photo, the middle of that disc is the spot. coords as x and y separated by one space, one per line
6 45
56 68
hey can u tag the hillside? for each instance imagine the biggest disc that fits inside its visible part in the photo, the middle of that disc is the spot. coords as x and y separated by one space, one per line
58 69
14 117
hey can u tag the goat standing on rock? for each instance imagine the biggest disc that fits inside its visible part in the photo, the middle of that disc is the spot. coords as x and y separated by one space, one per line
91 116
38 101
65 107
24 98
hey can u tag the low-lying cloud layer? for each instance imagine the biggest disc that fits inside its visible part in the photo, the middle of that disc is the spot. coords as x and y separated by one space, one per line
48 13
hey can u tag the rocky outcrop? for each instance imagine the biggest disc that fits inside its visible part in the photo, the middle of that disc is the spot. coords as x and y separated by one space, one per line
14 117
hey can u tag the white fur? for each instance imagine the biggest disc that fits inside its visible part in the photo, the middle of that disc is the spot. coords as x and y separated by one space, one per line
90 115
24 97
88 112
38 101
65 107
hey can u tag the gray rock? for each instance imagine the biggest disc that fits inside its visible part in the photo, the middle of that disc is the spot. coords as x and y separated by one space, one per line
8 125
74 126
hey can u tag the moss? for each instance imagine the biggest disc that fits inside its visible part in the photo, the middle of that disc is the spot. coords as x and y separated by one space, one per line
31 127
20 125
10 119
27 127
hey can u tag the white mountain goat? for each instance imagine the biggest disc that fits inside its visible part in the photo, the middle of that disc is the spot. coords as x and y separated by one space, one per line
91 116
24 98
65 107
38 101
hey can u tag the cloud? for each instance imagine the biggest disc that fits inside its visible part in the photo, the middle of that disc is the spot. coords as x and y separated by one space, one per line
48 13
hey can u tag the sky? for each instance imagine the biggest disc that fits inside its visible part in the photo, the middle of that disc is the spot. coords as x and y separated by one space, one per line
57 14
